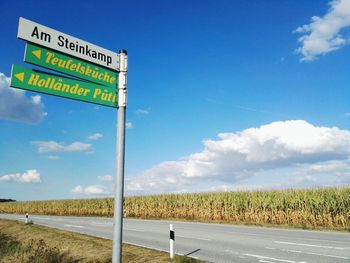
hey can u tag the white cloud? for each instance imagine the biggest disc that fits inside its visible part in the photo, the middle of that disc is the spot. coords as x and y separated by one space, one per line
142 111
334 166
91 190
52 146
95 136
339 169
128 125
78 189
323 34
235 157
31 176
106 177
15 105
304 179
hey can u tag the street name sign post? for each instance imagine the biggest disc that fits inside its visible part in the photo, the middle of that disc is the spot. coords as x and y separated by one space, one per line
48 37
28 79
105 75
59 62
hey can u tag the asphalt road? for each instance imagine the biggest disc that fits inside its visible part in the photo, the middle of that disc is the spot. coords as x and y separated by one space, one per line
215 242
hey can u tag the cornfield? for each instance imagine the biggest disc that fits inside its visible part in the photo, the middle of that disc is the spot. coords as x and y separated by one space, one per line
327 208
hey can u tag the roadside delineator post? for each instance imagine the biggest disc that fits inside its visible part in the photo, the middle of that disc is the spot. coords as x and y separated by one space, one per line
172 241
27 218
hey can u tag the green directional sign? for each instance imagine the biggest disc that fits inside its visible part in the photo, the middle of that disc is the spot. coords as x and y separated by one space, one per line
62 63
28 79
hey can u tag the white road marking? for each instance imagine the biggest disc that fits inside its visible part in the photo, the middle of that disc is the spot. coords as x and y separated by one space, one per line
45 218
137 230
275 259
101 224
75 226
312 253
234 253
323 240
198 238
310 245
265 261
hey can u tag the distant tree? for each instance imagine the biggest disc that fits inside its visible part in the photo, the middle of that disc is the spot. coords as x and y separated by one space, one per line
7 200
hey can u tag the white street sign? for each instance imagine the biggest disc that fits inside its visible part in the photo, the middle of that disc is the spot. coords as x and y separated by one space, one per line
47 37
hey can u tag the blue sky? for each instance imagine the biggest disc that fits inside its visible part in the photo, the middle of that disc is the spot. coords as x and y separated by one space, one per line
223 95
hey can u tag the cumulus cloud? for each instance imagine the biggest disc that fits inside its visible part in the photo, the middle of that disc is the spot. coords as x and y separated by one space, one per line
142 112
324 34
95 136
106 177
15 105
31 176
128 125
339 169
52 146
91 190
234 157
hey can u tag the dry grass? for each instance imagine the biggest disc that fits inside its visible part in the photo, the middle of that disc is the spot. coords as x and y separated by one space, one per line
77 245
327 208
20 243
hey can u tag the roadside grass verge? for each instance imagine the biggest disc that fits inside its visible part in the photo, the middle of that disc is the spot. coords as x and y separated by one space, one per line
21 243
12 251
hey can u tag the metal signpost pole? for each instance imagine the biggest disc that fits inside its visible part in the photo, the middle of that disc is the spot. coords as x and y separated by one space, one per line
119 182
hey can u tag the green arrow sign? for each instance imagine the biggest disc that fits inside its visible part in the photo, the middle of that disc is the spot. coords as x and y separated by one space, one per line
28 79
56 61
